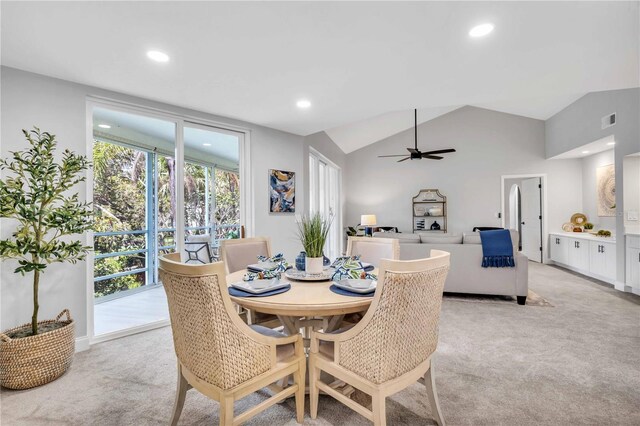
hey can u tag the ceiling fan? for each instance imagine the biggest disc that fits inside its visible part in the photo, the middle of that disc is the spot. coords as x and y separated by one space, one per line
415 153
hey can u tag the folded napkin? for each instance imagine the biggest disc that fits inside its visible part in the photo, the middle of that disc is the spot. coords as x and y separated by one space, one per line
342 259
352 269
279 261
275 259
263 275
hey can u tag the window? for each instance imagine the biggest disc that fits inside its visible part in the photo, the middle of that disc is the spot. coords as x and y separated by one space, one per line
324 193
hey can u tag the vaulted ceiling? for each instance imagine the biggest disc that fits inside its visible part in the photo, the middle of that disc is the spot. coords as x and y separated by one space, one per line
362 65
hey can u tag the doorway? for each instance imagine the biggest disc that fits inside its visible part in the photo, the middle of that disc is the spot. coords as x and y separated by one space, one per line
523 210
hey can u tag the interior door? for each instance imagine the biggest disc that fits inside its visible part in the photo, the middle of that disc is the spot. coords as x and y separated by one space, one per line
531 219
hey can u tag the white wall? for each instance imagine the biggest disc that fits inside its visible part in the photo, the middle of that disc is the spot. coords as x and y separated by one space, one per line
590 165
489 144
59 107
580 123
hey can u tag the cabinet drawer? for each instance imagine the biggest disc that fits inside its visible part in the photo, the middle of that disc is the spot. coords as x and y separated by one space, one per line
633 241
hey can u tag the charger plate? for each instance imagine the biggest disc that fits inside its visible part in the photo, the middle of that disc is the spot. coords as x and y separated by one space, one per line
294 274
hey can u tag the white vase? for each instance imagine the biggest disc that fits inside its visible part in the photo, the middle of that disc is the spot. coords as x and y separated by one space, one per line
313 265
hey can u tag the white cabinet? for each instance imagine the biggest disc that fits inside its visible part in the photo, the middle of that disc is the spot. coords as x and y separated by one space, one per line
578 253
602 259
633 261
587 254
559 249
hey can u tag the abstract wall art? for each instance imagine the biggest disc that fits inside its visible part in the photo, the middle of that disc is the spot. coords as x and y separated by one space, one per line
282 191
606 190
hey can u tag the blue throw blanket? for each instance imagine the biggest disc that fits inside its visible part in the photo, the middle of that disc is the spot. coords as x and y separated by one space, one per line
497 249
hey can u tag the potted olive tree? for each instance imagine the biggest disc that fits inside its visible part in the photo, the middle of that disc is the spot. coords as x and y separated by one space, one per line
35 198
313 232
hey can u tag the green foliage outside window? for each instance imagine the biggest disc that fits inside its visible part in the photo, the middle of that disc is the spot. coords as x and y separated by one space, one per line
120 205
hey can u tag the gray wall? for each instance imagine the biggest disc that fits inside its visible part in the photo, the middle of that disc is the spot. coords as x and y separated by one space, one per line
589 189
59 107
490 144
580 123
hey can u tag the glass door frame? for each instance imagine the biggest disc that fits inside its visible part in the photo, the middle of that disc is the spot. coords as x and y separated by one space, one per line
179 121
315 201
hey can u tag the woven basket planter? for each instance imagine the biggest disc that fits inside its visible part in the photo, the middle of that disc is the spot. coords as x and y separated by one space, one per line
33 361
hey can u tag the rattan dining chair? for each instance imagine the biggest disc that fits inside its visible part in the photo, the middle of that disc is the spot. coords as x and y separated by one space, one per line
373 250
393 345
218 354
237 254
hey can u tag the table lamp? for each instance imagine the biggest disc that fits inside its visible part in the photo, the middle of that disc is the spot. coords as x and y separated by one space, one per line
368 220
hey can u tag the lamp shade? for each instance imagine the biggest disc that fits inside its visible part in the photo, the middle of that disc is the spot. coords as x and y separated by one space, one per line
368 219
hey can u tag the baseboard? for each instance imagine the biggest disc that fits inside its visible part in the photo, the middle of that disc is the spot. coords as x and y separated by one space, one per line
589 274
82 344
129 331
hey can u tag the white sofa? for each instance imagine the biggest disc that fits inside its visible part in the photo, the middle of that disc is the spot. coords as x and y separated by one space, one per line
467 274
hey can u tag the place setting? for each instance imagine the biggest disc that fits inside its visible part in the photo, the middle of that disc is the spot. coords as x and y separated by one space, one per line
263 278
354 278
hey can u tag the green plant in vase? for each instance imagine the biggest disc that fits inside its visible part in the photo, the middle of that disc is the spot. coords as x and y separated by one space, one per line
313 232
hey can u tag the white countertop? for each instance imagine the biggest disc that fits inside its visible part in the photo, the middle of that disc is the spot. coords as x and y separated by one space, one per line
585 236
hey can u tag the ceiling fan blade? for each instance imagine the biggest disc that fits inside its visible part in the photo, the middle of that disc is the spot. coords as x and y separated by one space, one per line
413 150
401 155
441 151
431 157
404 159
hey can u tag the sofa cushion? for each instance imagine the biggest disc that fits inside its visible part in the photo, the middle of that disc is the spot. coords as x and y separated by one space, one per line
401 237
440 239
471 238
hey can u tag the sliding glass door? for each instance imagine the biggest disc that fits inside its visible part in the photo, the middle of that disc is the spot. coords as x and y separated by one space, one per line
139 215
211 183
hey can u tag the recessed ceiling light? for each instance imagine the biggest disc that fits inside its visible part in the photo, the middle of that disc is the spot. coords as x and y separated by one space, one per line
303 103
104 126
585 152
481 30
206 144
156 55
611 143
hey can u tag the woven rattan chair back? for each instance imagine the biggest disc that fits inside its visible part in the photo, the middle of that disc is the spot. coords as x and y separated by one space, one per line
400 330
373 250
238 253
206 340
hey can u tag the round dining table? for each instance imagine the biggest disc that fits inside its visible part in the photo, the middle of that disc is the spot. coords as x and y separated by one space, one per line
308 304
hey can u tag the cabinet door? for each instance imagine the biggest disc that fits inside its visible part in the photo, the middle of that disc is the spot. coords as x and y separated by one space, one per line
609 253
559 249
597 259
633 267
578 254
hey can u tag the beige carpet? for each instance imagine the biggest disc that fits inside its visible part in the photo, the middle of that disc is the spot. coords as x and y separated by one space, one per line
497 364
